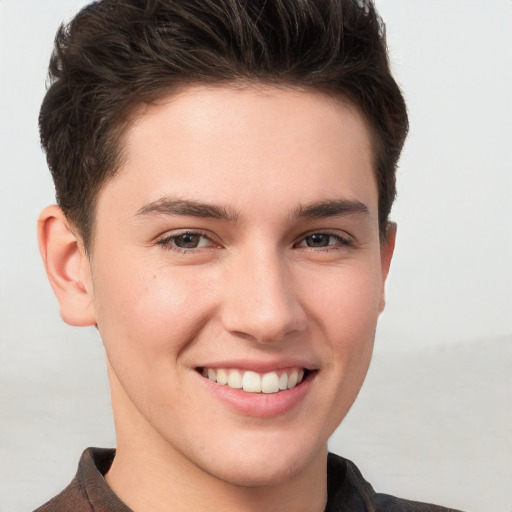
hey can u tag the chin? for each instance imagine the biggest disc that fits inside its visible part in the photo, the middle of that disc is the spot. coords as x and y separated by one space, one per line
257 467
260 474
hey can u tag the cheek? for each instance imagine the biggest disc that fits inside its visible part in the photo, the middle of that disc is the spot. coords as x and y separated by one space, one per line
346 303
145 312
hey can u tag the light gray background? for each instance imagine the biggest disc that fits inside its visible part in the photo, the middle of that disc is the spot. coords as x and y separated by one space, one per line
434 419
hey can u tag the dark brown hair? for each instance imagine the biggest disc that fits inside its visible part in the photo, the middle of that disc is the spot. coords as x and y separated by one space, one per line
116 55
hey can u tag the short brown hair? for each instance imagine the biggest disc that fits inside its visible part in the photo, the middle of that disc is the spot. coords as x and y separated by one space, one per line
118 54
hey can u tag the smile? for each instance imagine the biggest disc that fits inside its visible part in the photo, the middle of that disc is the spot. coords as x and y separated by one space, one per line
253 382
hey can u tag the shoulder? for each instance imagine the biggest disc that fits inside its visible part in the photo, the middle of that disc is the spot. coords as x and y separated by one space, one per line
348 488
88 491
72 498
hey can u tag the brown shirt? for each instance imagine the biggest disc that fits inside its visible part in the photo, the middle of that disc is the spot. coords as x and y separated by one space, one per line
347 490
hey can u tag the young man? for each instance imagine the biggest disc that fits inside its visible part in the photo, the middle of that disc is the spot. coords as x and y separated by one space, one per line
224 172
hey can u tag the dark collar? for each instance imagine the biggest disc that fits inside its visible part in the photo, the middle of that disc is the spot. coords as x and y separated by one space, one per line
94 464
347 490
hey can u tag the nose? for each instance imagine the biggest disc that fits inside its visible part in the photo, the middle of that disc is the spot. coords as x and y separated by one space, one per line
260 302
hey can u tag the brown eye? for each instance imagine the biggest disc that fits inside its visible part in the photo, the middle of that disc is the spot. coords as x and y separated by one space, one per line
319 240
325 240
187 240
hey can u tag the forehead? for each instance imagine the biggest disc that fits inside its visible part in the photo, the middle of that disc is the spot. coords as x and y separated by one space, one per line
215 142
264 111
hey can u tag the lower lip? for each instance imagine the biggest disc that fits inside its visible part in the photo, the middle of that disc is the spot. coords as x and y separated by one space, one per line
261 405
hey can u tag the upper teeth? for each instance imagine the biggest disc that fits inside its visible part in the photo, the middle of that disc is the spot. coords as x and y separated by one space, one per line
253 382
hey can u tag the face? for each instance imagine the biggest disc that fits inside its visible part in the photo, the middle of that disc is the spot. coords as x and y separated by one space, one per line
236 279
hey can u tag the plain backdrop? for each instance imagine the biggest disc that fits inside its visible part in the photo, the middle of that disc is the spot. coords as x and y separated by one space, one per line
434 419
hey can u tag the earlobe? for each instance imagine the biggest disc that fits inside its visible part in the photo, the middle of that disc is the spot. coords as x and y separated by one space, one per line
387 247
67 267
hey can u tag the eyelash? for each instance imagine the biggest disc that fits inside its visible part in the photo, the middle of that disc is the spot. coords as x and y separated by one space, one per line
168 242
341 241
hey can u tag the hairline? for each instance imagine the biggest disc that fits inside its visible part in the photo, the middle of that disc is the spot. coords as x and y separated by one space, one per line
137 109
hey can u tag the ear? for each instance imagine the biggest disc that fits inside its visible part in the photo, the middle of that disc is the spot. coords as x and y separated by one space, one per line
387 247
67 266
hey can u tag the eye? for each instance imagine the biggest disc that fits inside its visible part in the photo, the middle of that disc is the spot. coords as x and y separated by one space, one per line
188 240
323 240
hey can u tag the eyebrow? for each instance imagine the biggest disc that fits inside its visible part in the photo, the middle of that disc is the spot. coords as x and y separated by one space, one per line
173 206
330 208
317 210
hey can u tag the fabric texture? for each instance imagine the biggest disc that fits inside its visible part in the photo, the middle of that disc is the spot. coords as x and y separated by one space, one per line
347 490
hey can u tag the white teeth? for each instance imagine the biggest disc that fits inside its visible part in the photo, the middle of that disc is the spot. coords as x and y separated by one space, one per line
292 379
253 382
234 379
222 376
270 383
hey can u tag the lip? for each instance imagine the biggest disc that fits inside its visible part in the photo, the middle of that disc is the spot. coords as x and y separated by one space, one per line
259 405
260 366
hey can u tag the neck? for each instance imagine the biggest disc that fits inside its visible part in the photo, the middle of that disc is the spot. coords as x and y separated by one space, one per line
151 475
148 484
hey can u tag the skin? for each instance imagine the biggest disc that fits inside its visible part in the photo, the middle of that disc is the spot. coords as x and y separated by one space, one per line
258 289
